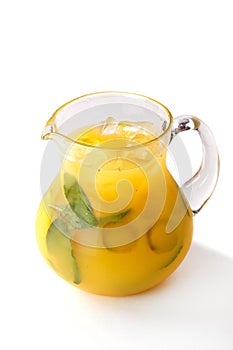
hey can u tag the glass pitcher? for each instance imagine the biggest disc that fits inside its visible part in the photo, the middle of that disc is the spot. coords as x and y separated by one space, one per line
113 220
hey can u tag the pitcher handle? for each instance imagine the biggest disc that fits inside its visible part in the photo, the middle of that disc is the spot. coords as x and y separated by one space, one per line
200 187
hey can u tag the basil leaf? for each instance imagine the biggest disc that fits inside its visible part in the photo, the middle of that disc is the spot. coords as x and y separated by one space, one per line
78 201
60 250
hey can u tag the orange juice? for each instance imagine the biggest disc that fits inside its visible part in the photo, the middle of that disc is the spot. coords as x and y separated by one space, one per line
134 226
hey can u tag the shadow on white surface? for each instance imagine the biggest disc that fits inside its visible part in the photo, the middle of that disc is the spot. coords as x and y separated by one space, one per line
192 309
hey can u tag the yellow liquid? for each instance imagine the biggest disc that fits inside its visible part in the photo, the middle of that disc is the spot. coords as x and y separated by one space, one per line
153 239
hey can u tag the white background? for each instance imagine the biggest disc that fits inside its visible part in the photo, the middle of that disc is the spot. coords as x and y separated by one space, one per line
178 52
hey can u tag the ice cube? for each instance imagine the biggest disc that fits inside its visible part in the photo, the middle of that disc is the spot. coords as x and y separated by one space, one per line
139 132
129 131
110 126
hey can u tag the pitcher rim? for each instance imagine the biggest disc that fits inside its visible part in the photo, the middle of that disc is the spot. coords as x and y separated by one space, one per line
52 119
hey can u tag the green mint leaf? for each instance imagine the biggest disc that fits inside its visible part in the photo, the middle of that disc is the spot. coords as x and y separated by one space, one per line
112 219
78 201
81 207
175 256
60 248
73 222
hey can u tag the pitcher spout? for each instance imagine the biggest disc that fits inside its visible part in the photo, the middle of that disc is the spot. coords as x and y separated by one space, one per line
47 132
50 132
62 142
